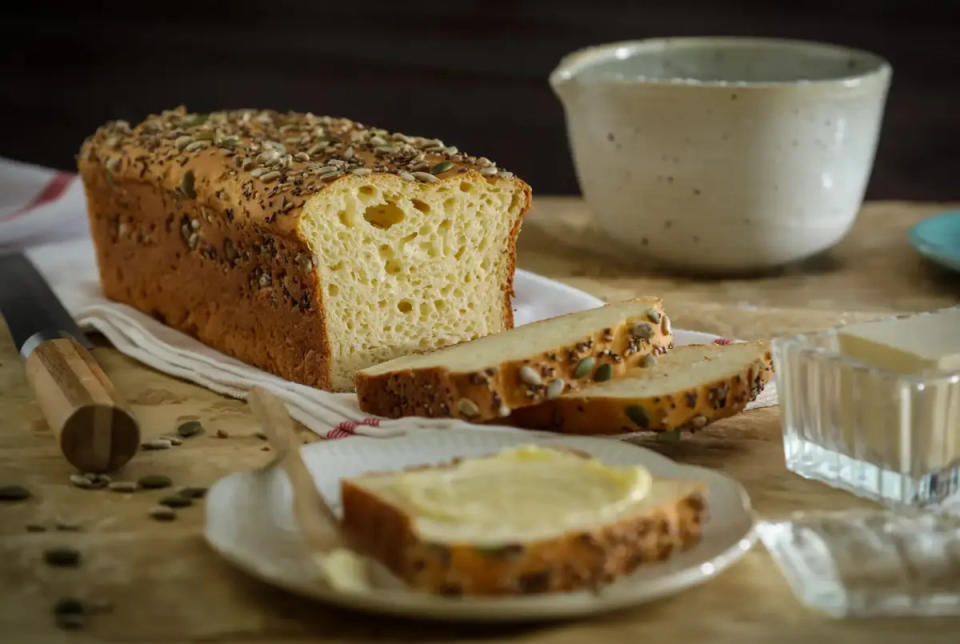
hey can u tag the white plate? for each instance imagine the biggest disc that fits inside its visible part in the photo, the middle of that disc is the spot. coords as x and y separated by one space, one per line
249 522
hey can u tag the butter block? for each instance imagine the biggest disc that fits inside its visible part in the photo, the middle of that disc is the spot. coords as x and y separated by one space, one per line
909 345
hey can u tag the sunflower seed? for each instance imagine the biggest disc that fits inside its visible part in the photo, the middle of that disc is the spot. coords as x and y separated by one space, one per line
489 171
503 174
113 164
183 141
348 153
406 176
377 140
158 443
330 175
196 145
123 486
451 150
529 376
14 492
154 481
467 407
604 372
270 176
162 513
555 388
189 428
653 315
63 557
503 411
584 367
426 177
698 421
256 172
81 481
361 172
667 327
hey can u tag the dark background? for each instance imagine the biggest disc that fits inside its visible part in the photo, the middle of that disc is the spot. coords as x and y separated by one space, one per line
471 73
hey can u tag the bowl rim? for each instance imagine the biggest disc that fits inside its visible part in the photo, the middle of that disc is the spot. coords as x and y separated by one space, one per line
569 66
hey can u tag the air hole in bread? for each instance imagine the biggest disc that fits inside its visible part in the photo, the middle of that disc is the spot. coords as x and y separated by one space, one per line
333 289
466 186
385 251
367 191
420 205
393 266
344 218
383 215
449 203
404 306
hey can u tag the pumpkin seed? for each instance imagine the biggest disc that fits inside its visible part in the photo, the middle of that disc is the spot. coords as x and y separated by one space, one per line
642 330
555 388
63 556
604 372
529 376
175 501
193 492
443 166
187 186
71 621
648 360
584 367
36 527
653 315
162 513
13 493
190 428
154 481
639 415
507 551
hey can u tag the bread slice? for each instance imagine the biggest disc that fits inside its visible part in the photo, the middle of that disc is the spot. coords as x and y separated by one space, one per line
489 377
686 389
460 555
306 245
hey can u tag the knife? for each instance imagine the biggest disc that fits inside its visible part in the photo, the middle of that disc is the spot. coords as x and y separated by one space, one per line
95 427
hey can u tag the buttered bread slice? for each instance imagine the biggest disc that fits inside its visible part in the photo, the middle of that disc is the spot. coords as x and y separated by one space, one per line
488 378
686 389
525 520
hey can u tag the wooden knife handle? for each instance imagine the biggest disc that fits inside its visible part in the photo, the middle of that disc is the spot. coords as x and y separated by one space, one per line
96 429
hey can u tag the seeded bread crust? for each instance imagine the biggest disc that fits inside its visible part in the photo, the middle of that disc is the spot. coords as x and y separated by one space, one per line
573 561
196 221
492 392
687 409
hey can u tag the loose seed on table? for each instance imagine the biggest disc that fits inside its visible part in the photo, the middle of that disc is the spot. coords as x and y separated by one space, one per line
70 613
158 443
81 481
13 493
67 524
36 527
175 501
63 556
261 436
190 428
154 481
265 448
222 434
193 492
162 513
123 486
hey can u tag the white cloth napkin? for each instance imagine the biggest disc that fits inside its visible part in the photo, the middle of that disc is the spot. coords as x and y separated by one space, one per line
70 268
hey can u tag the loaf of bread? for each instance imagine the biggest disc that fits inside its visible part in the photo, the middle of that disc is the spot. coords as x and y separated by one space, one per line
308 246
686 389
487 378
469 529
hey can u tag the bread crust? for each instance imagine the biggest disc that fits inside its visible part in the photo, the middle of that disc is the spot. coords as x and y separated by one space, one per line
221 256
493 392
577 560
686 409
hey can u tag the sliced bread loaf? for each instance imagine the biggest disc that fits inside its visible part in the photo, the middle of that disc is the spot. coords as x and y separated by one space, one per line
686 389
526 520
487 378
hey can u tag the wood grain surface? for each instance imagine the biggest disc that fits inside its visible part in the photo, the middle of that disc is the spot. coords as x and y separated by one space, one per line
167 586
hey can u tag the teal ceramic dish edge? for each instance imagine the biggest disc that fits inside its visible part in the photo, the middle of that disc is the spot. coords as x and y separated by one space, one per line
938 239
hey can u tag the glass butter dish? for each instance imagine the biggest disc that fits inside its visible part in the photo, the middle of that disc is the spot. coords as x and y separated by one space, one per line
888 436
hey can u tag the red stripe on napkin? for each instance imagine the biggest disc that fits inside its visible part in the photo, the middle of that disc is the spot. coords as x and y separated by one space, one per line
51 192
349 427
723 341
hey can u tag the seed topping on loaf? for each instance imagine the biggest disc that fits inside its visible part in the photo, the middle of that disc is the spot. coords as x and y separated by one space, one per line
294 154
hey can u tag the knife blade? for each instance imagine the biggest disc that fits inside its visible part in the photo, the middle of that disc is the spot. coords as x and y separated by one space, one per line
95 428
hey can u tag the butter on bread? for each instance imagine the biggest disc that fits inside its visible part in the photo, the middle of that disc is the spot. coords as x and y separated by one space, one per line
308 246
487 378
454 555
687 388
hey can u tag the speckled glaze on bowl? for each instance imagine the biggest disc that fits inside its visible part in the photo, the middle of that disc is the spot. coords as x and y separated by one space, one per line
723 154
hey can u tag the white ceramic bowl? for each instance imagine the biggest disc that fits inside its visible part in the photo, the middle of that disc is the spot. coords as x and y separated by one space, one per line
723 154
